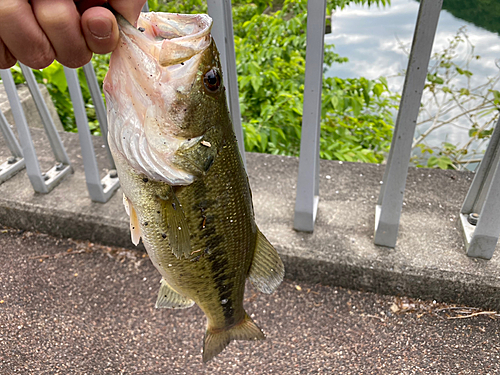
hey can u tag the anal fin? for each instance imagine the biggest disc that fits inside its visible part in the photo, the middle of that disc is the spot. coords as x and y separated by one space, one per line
173 222
217 340
267 270
169 298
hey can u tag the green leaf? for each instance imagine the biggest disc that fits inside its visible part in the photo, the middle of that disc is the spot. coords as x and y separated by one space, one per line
356 107
432 161
153 4
485 133
378 89
434 78
444 162
54 74
383 80
256 82
449 146
297 110
263 142
496 94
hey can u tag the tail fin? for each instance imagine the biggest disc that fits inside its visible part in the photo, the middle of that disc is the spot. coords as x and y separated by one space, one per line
215 342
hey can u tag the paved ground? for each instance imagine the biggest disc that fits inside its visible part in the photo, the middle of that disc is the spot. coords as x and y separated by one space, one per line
77 308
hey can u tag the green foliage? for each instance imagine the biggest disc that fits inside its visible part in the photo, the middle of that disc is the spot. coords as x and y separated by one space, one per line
357 120
343 3
270 55
175 6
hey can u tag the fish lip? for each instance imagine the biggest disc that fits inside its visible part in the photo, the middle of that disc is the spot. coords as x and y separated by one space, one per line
171 38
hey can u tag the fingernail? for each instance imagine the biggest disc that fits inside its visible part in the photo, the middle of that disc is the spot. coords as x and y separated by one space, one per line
100 28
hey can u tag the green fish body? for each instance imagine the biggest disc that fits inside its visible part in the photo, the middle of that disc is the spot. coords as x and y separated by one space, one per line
185 187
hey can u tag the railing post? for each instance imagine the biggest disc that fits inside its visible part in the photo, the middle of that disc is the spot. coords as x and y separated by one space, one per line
100 109
48 124
222 32
480 213
306 201
99 190
16 162
390 202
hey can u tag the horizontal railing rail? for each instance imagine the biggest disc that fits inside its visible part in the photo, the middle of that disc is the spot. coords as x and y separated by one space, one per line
480 218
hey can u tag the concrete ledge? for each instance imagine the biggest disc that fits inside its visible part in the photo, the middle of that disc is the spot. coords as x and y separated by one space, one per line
429 261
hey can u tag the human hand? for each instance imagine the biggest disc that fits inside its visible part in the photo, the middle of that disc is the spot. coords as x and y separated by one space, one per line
38 31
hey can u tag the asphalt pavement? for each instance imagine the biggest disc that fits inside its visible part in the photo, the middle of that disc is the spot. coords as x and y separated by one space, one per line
74 307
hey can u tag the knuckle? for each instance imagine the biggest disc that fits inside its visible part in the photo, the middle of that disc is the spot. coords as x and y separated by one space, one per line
8 9
56 16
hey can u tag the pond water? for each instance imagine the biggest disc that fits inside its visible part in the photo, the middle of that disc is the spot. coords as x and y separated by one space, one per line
371 38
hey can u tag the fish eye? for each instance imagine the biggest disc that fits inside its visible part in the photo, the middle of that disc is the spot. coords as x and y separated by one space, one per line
212 80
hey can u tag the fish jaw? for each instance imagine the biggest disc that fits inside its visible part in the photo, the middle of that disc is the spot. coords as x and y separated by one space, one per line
149 91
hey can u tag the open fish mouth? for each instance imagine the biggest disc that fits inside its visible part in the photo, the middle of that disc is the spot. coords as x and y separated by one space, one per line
170 38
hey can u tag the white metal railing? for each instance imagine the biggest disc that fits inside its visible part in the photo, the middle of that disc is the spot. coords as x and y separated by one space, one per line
42 182
480 216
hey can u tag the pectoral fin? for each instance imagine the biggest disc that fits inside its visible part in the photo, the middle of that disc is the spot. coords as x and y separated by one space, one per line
169 298
135 230
173 222
267 269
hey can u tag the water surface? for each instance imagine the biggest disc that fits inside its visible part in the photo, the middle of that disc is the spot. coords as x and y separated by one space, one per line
371 37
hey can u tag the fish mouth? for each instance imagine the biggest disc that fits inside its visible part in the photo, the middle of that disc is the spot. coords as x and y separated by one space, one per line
170 38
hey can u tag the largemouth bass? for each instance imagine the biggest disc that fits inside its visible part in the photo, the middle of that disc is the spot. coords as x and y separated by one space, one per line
185 188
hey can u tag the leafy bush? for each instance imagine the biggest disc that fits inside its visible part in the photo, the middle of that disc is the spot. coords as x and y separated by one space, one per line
453 99
271 52
357 119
